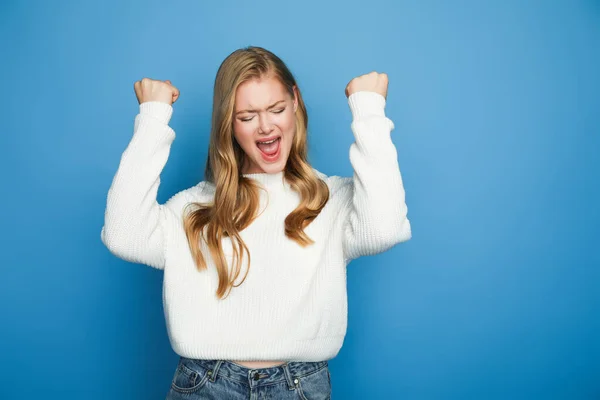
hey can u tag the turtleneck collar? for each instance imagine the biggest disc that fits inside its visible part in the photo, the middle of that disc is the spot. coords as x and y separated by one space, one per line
269 181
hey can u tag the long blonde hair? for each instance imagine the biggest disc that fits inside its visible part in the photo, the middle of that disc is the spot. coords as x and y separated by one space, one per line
236 199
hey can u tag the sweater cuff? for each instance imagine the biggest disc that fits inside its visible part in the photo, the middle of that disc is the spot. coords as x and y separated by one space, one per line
157 109
366 103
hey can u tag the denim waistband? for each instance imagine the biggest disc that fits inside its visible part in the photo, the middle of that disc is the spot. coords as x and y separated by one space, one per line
288 371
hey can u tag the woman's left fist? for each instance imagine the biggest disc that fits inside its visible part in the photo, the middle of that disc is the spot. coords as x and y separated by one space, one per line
371 82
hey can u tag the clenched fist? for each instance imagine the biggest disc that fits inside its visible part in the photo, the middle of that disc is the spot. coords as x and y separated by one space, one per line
371 82
154 90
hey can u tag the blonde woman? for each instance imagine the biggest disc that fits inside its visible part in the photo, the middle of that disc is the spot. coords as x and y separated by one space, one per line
255 256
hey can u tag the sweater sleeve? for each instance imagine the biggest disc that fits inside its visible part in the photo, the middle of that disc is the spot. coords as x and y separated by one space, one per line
377 217
134 223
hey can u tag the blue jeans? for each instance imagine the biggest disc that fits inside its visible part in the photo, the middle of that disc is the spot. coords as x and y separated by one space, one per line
196 379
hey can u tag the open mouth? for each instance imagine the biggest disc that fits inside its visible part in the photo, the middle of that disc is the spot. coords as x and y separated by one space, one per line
269 148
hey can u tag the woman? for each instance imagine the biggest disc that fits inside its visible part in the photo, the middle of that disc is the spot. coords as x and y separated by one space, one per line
255 256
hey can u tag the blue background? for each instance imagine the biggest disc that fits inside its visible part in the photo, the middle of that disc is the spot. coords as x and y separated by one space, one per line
497 114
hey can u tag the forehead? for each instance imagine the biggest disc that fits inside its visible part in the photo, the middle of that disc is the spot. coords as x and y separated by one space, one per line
259 93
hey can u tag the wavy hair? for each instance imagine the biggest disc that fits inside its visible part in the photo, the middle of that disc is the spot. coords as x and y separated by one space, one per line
236 200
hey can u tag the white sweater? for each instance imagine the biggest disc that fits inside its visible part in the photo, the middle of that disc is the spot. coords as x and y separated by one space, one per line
292 305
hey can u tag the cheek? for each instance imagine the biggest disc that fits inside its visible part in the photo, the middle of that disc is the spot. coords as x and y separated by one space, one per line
243 134
287 122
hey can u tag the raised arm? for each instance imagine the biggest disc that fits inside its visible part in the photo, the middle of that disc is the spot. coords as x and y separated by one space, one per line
377 217
135 224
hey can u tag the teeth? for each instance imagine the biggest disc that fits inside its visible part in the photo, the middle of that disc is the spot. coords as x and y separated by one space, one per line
271 141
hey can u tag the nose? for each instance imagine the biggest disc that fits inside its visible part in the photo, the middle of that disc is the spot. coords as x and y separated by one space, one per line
265 125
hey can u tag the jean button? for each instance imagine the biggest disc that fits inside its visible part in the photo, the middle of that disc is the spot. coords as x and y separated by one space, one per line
256 376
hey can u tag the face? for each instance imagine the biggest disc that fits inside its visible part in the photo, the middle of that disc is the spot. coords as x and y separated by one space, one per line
264 111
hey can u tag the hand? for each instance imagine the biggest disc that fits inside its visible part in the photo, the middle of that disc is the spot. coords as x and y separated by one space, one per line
154 90
371 82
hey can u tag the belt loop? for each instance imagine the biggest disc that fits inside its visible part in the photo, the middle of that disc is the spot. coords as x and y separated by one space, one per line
288 376
215 370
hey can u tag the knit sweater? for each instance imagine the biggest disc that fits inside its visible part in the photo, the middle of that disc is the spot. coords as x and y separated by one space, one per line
293 303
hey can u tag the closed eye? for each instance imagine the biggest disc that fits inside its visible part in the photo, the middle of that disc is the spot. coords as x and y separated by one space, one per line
275 111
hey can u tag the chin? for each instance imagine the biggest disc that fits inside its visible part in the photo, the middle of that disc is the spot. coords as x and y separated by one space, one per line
272 168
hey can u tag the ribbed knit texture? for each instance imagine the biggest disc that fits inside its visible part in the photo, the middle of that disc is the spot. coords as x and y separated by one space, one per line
292 306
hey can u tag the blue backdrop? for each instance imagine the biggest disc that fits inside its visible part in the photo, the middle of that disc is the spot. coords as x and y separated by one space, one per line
497 118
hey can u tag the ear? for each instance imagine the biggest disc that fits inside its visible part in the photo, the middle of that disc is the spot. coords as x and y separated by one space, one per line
295 98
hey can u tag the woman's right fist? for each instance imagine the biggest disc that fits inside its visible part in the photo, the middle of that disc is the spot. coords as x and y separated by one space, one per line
154 90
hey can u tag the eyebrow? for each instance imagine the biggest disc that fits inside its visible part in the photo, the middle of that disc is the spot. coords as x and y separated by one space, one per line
250 110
